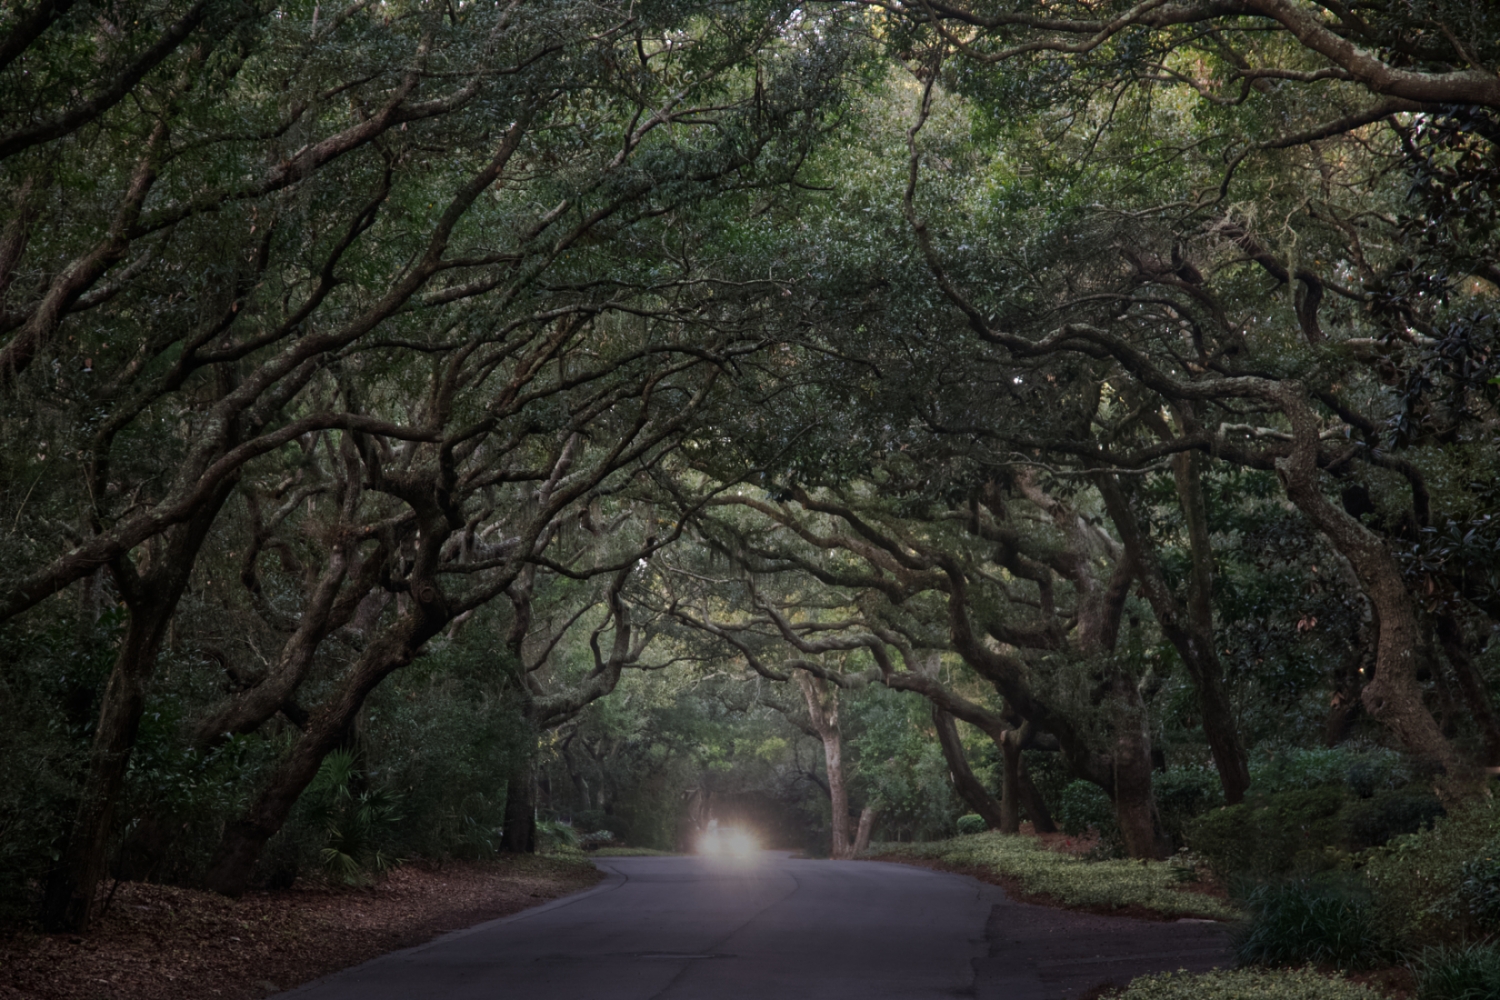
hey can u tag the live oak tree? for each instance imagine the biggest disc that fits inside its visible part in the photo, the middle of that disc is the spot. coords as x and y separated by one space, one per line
295 213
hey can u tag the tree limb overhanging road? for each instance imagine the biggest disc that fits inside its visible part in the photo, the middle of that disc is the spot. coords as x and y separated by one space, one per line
694 928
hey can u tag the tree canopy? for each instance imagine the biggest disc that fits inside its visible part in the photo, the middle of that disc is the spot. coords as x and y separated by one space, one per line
611 407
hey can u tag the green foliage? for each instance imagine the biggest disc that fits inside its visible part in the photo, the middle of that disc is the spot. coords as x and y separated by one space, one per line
1247 984
552 835
1459 973
1417 879
1083 806
356 822
1183 794
1479 887
1108 884
970 823
1280 834
1377 820
1362 769
1318 921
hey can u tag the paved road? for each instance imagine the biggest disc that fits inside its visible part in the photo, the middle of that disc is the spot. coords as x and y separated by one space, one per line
773 928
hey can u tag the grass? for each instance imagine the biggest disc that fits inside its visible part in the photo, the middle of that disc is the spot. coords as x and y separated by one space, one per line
1246 984
631 852
1068 880
1307 921
1471 973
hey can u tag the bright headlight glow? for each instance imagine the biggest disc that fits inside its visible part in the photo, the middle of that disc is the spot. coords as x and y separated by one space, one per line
730 840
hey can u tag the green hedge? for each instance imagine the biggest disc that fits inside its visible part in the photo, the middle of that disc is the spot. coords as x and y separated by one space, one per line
1419 879
1305 830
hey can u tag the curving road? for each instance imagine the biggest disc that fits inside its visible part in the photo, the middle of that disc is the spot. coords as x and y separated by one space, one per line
773 928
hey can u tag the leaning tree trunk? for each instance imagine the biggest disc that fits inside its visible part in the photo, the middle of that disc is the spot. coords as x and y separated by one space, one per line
68 903
969 788
240 847
1032 802
1394 696
862 834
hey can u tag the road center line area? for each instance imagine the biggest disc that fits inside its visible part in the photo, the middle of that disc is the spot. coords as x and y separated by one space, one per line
771 926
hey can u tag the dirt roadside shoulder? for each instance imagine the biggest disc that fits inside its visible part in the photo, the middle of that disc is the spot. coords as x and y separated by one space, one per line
163 943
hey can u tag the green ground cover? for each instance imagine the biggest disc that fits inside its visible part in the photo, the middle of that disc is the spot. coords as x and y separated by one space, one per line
630 852
1072 881
1246 984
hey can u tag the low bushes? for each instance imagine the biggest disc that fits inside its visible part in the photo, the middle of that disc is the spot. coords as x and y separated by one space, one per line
1082 806
1471 973
1433 887
1479 887
1324 922
1070 880
1305 830
1281 834
1246 984
971 823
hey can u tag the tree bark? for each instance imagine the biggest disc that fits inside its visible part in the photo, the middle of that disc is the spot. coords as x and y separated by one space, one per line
1032 802
151 598
823 710
862 834
233 863
1192 632
1394 696
969 788
1010 785
1135 805
519 833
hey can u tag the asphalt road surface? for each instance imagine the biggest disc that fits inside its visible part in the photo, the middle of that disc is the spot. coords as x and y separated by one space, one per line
769 927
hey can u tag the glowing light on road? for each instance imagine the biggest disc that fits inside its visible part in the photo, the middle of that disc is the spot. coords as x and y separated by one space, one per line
727 841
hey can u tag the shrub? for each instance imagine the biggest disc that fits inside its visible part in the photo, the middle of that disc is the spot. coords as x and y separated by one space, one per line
1417 879
1247 984
1303 921
971 823
1183 794
1083 805
1276 835
554 835
1471 973
356 823
1375 821
1364 770
1479 887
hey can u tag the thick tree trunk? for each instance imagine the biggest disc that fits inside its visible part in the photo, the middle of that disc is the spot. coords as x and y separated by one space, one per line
823 710
969 788
1135 805
519 833
1010 784
1032 802
862 834
1394 696
152 598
